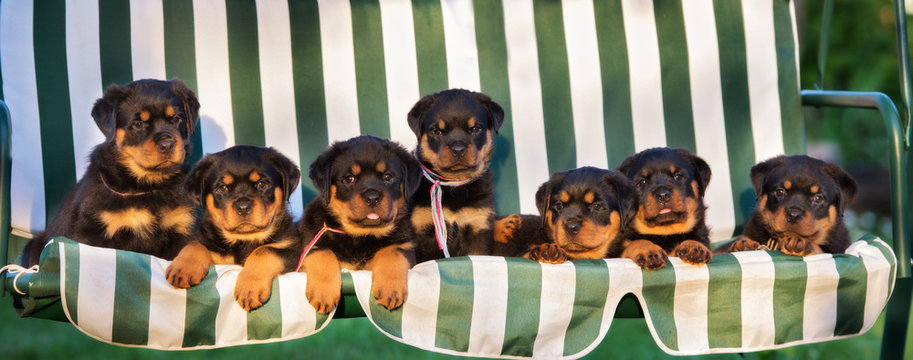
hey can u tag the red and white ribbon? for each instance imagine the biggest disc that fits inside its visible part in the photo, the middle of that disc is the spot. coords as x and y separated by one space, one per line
437 208
307 249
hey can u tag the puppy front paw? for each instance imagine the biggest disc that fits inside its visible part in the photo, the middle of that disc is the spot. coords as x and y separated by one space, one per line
189 268
390 290
743 243
252 291
798 246
693 252
645 254
547 253
506 228
322 296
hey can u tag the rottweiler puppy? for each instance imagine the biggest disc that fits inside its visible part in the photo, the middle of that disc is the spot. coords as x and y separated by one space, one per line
243 191
456 137
130 197
800 207
583 213
360 220
669 185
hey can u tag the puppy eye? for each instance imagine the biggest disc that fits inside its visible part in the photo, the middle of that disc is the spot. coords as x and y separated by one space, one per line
780 192
389 177
641 182
558 206
437 132
818 198
138 125
221 190
476 129
678 177
596 207
348 179
262 185
175 119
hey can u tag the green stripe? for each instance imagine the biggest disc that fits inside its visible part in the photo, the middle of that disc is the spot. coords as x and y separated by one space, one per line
790 280
736 105
659 297
676 75
71 255
524 292
790 102
114 40
888 256
244 71
556 86
455 304
202 307
180 56
307 76
269 314
370 72
492 46
616 90
387 320
56 124
851 294
724 293
589 305
430 50
131 298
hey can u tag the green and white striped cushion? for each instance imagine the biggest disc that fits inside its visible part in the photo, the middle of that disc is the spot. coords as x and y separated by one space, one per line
741 302
582 82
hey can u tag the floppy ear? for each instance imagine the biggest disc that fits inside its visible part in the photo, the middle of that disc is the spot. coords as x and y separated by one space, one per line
105 109
322 167
847 186
412 172
191 104
627 164
418 111
759 173
624 193
290 172
701 169
195 184
495 112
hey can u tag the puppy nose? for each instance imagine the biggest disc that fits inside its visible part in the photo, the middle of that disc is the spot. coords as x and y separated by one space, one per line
793 215
662 195
572 226
372 197
243 207
164 143
458 149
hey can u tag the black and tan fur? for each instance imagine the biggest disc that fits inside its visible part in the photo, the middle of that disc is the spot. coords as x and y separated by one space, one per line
669 185
243 191
800 207
130 196
456 135
365 184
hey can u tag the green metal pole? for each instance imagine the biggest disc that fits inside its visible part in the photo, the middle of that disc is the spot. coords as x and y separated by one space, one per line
5 171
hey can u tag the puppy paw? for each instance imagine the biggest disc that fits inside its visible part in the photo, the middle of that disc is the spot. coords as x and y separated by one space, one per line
390 290
547 253
744 244
322 296
184 273
693 252
645 254
794 245
506 228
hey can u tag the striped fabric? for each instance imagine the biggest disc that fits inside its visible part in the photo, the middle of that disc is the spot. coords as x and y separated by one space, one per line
122 298
741 302
582 82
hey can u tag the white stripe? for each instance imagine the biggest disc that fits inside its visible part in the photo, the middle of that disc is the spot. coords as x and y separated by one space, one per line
419 319
275 45
401 67
489 305
231 319
147 39
758 330
624 277
167 308
690 306
211 44
707 107
84 78
792 15
586 84
460 39
526 95
21 95
879 282
95 302
819 318
646 80
763 84
556 308
338 51
298 316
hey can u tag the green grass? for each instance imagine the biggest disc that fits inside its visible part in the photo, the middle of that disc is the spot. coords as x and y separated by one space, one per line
357 338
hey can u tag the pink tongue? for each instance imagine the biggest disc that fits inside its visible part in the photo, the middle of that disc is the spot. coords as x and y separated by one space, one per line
373 216
665 211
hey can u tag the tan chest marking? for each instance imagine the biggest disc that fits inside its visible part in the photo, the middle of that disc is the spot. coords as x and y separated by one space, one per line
476 218
179 219
139 221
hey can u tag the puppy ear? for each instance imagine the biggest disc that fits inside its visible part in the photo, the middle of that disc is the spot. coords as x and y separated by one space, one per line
412 172
495 112
191 104
624 194
290 172
105 109
627 164
848 187
322 168
759 173
195 184
701 169
418 111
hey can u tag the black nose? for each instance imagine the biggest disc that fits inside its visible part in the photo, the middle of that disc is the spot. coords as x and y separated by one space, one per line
165 145
372 197
793 215
572 226
662 195
458 149
243 207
